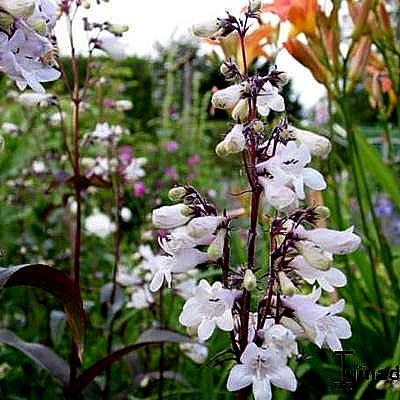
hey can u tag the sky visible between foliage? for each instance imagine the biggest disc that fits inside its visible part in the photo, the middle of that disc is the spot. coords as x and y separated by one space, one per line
161 20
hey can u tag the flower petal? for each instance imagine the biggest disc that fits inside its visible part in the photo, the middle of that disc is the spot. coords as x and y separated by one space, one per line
205 329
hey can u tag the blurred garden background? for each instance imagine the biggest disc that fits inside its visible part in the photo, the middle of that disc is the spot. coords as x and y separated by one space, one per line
343 61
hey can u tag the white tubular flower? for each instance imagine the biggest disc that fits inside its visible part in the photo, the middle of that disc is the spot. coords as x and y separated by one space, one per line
211 306
197 352
168 217
9 127
112 45
140 298
336 242
269 99
99 224
227 98
203 226
279 337
277 195
35 99
320 323
260 368
287 167
327 279
241 111
134 170
18 8
234 142
317 144
207 29
165 266
314 255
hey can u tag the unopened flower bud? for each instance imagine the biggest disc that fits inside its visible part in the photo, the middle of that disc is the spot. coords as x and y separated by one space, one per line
381 385
227 98
86 4
314 255
286 285
6 22
207 29
18 8
249 280
177 193
126 214
255 5
317 144
216 248
117 29
240 112
221 149
258 126
323 212
283 79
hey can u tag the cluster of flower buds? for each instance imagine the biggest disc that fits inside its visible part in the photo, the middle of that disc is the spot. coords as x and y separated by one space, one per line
27 54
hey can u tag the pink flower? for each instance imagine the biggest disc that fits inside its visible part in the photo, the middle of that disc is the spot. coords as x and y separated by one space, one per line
172 173
140 189
193 160
109 103
171 146
125 154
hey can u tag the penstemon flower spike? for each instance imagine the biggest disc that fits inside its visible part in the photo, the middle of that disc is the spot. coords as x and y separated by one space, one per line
275 157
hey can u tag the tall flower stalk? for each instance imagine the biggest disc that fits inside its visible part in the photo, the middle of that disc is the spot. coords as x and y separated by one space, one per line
275 156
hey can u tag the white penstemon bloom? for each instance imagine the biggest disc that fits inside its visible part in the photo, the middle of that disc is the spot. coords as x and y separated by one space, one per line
134 170
99 224
168 217
269 99
112 45
234 142
210 307
287 170
320 323
260 368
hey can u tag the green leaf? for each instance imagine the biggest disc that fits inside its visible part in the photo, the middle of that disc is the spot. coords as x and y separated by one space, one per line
56 283
43 356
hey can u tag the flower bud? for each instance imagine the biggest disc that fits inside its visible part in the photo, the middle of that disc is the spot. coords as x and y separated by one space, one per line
249 280
169 217
18 8
207 29
283 79
314 255
216 248
126 214
286 285
86 4
255 5
221 149
235 141
317 144
258 126
323 212
6 22
240 112
177 193
117 29
227 98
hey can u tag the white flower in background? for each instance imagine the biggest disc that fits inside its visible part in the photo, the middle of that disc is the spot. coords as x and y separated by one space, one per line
39 167
210 307
317 144
141 297
186 288
35 99
134 170
56 118
101 167
123 105
327 279
112 45
260 368
269 99
128 277
126 214
336 242
320 323
227 98
18 8
280 338
234 142
9 127
168 217
165 266
197 352
99 224
44 17
288 168
203 226
207 29
102 132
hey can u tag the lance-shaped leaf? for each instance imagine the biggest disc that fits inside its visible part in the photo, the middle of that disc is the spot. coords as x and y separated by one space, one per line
59 285
147 338
43 356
